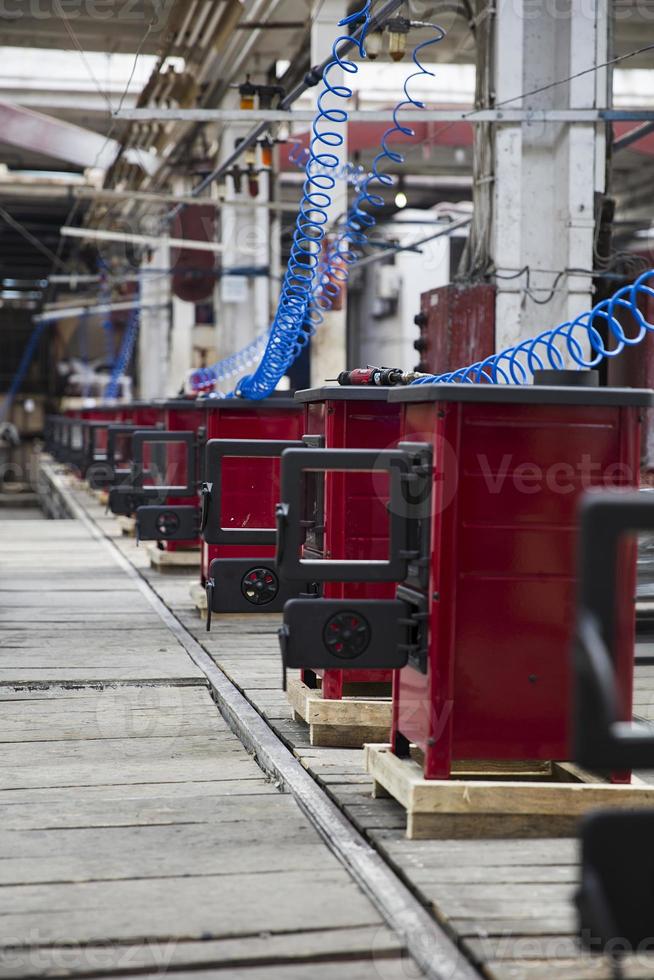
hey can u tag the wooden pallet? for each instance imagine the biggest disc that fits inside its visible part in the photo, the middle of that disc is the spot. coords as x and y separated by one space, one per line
486 800
347 724
173 561
127 526
198 595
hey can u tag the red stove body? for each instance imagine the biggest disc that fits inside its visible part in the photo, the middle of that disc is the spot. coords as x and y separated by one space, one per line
88 434
354 508
146 414
509 465
95 435
173 466
141 415
250 486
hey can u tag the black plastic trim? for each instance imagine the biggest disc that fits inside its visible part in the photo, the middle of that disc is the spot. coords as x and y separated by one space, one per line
601 739
343 393
148 436
216 451
290 532
525 395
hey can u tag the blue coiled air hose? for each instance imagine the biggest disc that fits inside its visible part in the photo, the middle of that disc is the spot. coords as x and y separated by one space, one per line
312 284
578 341
288 334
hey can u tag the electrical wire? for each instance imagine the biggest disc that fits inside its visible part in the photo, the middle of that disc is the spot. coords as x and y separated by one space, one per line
543 88
568 78
77 203
83 343
107 324
32 239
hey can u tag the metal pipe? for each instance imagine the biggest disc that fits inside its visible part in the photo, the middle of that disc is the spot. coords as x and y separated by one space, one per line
411 246
120 236
311 78
152 198
529 116
633 136
63 313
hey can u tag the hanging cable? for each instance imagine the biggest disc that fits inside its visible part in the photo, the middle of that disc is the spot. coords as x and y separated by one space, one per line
579 340
84 353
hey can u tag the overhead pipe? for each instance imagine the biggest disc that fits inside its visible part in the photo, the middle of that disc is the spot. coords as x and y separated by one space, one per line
311 78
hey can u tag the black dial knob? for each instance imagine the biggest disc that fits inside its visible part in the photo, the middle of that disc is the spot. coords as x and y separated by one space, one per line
167 523
260 586
346 634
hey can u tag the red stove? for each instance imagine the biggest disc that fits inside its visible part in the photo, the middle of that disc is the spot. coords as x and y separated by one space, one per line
482 528
75 437
95 438
350 508
125 476
241 489
167 463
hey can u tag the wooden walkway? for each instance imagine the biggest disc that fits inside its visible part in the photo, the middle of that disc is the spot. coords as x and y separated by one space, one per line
189 890
136 832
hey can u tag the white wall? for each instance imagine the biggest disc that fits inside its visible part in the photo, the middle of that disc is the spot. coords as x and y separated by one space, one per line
389 340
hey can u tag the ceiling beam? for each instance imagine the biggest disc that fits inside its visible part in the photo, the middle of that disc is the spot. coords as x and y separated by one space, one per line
46 135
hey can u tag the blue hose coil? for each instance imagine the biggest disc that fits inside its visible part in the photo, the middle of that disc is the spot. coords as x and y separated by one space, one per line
122 362
107 323
346 250
288 334
555 348
312 285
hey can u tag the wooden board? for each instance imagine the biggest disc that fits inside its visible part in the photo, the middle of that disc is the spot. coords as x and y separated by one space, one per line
349 723
459 807
138 836
198 595
173 561
469 884
127 525
309 950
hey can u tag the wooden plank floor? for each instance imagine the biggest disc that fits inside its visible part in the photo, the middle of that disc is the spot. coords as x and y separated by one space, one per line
509 903
136 833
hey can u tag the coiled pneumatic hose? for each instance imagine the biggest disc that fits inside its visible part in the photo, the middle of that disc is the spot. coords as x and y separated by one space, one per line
577 341
291 330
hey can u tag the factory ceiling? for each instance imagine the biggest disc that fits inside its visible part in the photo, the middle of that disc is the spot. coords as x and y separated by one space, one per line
118 52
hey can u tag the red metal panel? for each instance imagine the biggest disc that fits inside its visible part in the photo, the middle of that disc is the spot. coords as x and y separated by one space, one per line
251 486
189 418
634 368
194 277
507 480
356 518
458 327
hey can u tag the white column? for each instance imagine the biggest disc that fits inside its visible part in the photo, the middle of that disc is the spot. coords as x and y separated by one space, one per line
181 345
328 347
546 174
242 305
155 326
